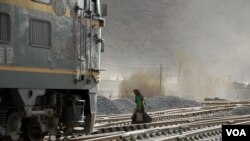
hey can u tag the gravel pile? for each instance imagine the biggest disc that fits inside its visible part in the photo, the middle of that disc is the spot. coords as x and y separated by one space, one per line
121 106
127 105
169 102
241 110
106 106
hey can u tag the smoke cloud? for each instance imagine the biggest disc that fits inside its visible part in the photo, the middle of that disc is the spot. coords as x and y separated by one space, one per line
213 33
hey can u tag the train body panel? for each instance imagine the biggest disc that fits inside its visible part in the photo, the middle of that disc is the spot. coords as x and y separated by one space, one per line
49 64
25 80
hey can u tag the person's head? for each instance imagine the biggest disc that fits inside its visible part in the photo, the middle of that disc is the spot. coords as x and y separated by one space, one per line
136 91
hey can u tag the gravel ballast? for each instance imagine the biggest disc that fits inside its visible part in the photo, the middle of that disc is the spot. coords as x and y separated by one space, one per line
106 106
245 110
168 102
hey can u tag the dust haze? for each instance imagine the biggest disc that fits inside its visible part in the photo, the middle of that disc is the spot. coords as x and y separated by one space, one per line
204 41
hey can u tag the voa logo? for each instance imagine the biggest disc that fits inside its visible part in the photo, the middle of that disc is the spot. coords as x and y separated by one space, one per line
236 132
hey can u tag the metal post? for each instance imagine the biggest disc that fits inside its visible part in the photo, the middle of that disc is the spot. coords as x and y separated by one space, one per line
160 79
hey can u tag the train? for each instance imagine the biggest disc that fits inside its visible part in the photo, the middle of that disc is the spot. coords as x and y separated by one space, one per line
50 53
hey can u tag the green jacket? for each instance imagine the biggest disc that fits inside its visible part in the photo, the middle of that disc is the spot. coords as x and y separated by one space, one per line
140 105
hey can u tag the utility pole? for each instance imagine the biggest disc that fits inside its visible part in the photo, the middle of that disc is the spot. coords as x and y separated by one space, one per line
160 79
242 77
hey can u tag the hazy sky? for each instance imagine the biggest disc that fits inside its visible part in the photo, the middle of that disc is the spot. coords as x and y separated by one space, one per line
215 33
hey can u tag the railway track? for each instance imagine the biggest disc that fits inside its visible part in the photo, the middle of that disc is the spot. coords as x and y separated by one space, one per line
113 118
217 103
120 120
181 124
208 128
195 113
168 121
117 118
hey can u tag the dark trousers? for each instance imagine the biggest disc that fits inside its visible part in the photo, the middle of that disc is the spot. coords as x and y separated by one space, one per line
146 117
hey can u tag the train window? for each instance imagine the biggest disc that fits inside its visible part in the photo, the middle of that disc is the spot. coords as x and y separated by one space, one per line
94 6
4 27
40 33
42 1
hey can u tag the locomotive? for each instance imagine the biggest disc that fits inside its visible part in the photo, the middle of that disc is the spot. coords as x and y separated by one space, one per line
49 66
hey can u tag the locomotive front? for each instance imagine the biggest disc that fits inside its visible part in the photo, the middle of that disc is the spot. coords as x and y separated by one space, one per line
49 66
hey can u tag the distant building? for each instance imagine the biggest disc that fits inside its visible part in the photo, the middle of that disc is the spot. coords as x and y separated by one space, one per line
241 90
109 88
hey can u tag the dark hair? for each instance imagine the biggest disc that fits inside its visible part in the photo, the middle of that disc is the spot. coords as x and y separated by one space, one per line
136 91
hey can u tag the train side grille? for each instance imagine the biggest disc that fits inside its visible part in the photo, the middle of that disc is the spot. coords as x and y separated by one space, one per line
3 118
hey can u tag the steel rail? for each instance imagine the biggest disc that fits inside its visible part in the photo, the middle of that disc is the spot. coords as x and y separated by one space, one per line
197 130
154 115
179 116
199 134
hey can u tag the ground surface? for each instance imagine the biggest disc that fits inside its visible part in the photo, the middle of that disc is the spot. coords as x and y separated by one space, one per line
122 106
245 110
